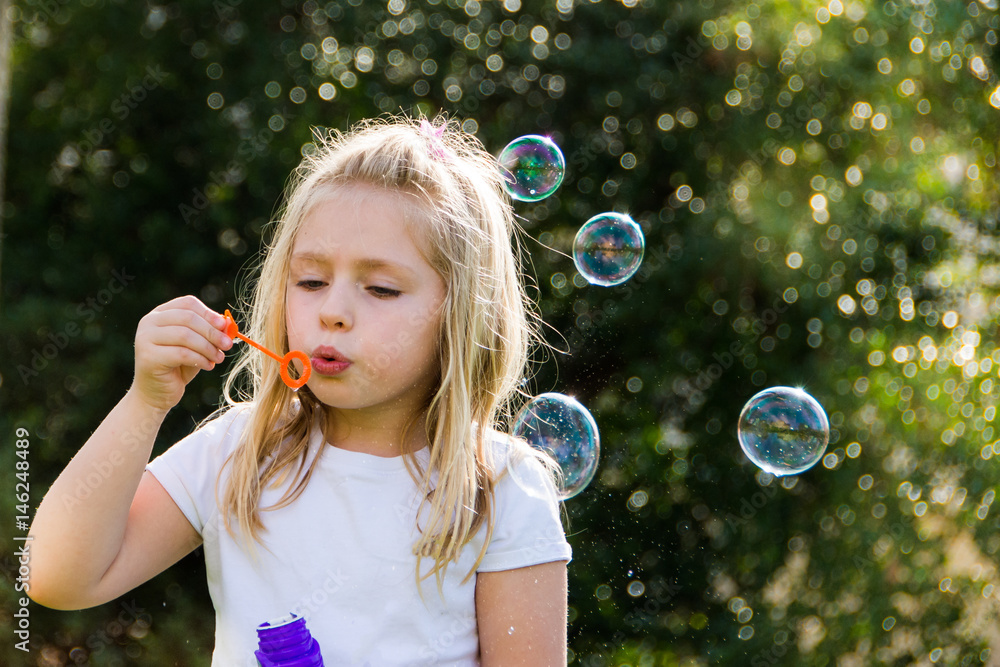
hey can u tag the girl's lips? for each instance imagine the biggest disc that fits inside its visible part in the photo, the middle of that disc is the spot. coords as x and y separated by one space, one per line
325 366
326 360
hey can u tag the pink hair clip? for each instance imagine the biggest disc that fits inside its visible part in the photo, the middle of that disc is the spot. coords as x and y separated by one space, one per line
434 135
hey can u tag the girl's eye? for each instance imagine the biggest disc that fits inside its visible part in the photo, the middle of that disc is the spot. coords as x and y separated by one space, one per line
309 285
384 292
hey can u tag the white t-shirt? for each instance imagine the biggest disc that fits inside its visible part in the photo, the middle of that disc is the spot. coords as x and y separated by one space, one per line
341 554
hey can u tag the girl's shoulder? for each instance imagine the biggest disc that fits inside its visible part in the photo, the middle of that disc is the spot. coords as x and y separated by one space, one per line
191 468
227 419
498 448
221 431
511 456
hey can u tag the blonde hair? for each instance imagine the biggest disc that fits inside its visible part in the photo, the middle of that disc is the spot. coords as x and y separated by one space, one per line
486 328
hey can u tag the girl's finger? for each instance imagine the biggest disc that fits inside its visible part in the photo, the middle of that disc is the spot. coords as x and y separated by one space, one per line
185 317
186 338
194 305
185 357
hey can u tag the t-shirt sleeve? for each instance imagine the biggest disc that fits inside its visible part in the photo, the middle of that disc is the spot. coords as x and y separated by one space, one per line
189 469
527 530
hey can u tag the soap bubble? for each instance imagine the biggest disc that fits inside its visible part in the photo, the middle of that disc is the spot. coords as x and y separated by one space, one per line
608 249
533 167
562 428
783 430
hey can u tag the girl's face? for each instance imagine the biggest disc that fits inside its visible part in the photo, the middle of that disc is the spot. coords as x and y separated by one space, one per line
364 303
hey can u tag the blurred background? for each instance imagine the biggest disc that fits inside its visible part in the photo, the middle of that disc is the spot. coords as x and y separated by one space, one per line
817 184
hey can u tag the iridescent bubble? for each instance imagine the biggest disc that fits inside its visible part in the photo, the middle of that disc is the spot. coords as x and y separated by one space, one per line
533 167
608 249
783 430
562 428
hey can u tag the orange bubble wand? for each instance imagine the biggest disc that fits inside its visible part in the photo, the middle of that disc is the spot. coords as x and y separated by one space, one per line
233 331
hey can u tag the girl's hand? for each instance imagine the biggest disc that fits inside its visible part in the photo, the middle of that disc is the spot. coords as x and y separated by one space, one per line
172 343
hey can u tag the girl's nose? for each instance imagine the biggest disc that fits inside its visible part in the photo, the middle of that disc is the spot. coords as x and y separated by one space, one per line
337 311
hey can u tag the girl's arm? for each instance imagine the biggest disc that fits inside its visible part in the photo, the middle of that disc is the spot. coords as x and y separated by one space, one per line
104 527
522 616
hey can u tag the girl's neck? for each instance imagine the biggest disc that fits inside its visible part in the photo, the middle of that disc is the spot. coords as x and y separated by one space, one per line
375 434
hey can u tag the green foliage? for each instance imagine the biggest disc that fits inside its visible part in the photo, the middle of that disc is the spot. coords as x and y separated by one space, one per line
817 186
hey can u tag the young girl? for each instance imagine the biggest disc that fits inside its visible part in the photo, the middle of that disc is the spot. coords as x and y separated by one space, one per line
375 501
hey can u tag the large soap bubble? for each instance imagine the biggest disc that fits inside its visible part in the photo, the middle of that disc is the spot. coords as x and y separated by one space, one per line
562 428
533 167
783 430
608 249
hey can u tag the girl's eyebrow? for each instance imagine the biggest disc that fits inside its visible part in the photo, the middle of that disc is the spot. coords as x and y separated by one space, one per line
308 257
366 264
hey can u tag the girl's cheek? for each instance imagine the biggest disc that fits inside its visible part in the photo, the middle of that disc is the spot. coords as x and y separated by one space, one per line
382 363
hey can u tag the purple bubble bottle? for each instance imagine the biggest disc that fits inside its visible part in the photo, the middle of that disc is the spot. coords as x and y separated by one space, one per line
286 642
